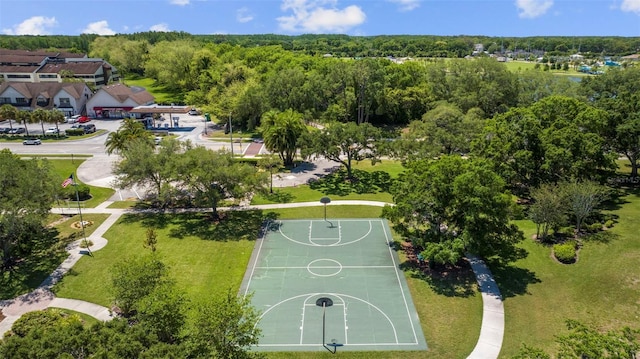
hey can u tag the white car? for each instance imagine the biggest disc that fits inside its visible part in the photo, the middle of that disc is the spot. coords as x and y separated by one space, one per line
52 131
72 119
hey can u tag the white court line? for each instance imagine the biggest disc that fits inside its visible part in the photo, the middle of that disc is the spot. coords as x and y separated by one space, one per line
330 245
255 260
351 345
406 305
305 267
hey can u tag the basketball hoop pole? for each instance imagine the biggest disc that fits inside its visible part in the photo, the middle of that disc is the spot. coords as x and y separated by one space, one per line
324 303
325 201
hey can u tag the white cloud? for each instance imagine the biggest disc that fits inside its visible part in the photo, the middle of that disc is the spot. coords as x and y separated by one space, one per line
98 27
319 16
179 2
162 27
530 9
630 6
406 5
244 15
36 25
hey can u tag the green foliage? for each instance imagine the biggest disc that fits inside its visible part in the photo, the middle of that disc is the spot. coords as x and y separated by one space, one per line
130 132
616 93
224 328
452 205
344 143
548 210
163 312
84 192
609 223
554 139
151 239
527 352
74 132
565 252
134 279
25 201
583 199
281 132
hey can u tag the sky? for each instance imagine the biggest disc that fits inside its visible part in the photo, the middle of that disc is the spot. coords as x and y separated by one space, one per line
508 18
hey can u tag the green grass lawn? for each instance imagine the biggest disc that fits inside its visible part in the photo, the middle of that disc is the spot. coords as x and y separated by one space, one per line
63 168
601 289
161 93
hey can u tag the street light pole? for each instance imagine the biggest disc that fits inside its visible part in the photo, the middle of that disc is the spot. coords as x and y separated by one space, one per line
231 133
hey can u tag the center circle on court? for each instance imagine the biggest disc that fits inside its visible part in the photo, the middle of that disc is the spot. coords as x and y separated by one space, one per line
324 267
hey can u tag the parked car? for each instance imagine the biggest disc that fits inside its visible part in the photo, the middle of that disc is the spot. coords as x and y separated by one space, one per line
72 119
32 141
83 119
52 131
17 130
89 128
4 129
193 112
157 140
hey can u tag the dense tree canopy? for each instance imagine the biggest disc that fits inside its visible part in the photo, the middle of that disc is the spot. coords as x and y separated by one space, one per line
618 93
451 206
550 141
25 200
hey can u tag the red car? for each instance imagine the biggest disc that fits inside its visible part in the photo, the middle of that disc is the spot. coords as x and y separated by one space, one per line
83 119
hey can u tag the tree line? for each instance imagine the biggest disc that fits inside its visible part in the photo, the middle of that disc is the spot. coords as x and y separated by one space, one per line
356 46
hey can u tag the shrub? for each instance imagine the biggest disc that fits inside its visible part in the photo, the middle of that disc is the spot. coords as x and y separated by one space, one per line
74 132
609 223
594 227
566 231
565 252
84 192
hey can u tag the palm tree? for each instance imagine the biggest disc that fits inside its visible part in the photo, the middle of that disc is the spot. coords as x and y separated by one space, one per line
56 117
40 115
281 131
24 117
8 112
128 131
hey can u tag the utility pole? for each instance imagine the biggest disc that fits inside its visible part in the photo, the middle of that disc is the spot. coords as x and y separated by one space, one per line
231 133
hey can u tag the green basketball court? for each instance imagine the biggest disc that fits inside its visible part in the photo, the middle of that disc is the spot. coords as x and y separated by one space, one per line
342 269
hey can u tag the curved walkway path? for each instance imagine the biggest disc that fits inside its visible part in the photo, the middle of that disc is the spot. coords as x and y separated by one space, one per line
487 347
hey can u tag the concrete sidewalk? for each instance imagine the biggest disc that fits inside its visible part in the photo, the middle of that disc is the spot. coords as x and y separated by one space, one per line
492 329
97 311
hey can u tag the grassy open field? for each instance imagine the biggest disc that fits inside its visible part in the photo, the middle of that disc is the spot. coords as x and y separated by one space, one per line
601 289
161 94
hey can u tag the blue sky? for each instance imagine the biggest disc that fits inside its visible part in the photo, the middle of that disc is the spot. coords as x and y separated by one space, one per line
353 17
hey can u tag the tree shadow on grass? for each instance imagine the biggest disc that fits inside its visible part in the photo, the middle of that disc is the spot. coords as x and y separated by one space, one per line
512 281
27 273
278 196
337 183
451 281
230 226
603 237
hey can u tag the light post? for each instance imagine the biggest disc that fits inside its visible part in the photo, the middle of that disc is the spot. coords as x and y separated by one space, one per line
231 133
